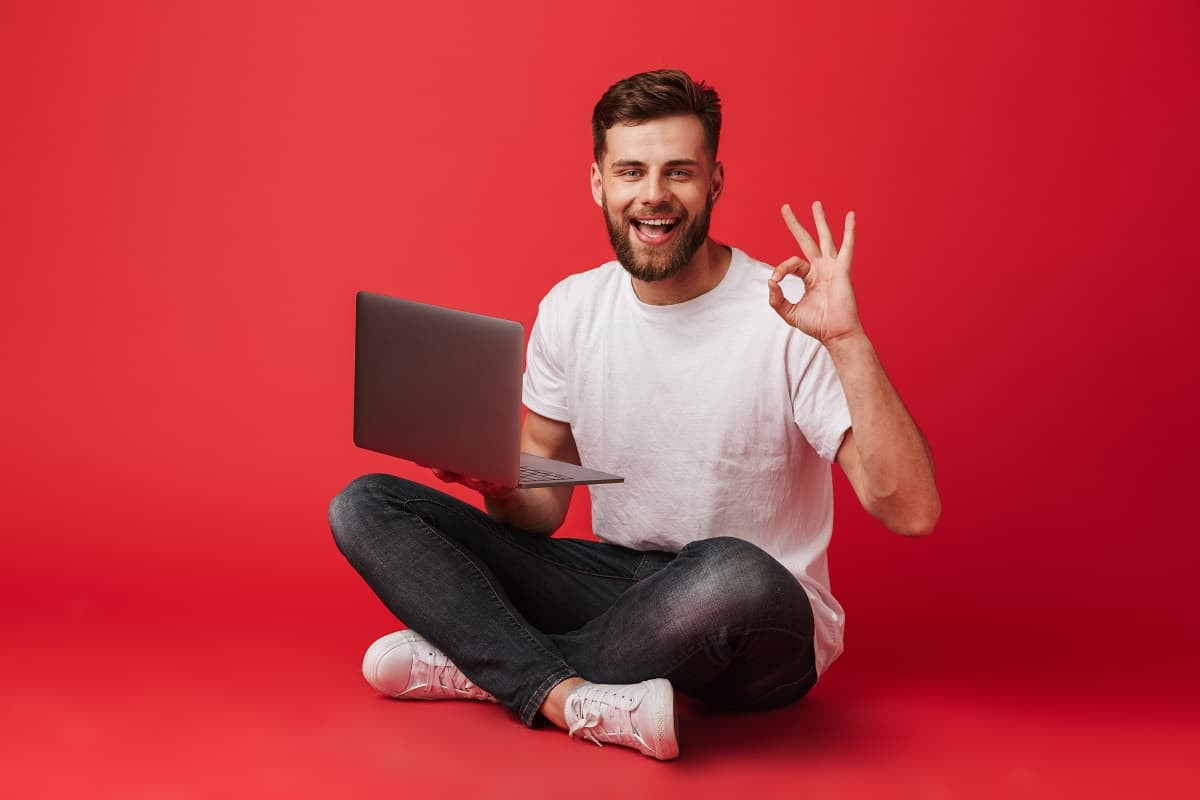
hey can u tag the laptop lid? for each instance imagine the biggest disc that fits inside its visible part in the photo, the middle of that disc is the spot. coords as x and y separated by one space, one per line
438 386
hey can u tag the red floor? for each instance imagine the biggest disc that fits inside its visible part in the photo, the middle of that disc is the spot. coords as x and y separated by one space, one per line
193 192
274 707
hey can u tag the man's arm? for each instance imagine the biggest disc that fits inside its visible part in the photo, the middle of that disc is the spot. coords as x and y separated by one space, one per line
538 510
542 509
884 455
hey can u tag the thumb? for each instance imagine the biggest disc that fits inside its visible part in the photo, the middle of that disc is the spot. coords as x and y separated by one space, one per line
775 294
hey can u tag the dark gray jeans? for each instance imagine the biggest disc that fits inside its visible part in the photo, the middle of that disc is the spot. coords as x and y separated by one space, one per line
519 612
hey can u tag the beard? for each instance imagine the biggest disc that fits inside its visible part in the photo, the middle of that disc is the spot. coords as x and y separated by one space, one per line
659 263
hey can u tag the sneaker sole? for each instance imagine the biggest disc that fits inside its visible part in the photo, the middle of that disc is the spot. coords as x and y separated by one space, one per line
662 697
380 650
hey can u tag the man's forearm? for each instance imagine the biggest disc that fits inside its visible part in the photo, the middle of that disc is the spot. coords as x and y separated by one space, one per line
896 463
539 510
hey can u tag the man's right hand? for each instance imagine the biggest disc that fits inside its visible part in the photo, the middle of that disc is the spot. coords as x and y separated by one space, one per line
540 510
486 488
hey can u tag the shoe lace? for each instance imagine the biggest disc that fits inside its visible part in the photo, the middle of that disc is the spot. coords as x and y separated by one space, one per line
440 671
604 712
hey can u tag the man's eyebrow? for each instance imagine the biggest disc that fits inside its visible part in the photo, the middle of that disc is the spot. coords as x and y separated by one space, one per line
675 162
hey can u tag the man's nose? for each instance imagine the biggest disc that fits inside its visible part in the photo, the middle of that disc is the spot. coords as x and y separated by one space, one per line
654 190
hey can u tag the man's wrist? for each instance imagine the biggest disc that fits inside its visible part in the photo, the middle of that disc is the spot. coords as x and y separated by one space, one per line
502 502
849 344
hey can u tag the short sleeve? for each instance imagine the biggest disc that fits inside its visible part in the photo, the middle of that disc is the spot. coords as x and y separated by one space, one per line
544 388
818 402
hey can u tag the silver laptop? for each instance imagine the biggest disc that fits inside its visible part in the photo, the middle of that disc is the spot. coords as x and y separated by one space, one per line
443 388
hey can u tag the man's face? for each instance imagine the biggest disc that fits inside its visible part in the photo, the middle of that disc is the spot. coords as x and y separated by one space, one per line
657 185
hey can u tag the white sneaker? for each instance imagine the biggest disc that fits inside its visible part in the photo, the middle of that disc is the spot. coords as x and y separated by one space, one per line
404 665
638 715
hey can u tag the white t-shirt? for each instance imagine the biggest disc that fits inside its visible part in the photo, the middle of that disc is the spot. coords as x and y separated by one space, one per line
722 418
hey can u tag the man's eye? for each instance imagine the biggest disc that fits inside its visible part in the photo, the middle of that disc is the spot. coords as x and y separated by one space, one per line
679 173
631 173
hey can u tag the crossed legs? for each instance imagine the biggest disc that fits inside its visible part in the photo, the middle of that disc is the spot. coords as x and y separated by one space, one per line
520 613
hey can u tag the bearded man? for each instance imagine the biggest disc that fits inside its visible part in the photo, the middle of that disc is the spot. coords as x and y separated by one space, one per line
722 388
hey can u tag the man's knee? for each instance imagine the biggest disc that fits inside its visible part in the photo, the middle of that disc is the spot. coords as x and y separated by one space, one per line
355 508
789 679
744 585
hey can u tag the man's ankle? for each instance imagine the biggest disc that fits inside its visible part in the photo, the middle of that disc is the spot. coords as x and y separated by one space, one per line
554 706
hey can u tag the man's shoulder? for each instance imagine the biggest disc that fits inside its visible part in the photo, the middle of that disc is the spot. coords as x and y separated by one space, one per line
587 287
753 274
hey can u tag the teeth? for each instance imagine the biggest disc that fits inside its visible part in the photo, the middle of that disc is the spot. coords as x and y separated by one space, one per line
656 221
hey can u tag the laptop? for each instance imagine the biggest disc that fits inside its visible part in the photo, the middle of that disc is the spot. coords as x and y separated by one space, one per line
443 388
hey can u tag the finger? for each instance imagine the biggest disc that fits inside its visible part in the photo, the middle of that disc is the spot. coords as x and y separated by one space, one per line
497 491
775 297
448 476
489 489
847 254
779 302
795 264
807 245
827 247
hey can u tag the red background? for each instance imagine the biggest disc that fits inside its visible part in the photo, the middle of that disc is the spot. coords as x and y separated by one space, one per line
192 194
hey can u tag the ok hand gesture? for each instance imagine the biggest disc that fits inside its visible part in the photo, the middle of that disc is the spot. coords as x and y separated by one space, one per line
828 309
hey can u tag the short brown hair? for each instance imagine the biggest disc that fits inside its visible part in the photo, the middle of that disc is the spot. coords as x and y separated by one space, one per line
653 95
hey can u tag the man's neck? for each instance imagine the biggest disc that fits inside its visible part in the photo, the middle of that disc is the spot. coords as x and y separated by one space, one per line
702 274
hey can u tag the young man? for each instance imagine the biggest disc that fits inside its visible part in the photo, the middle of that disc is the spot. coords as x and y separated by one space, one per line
685 367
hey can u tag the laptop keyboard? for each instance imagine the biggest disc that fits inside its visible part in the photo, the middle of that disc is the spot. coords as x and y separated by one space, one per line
535 474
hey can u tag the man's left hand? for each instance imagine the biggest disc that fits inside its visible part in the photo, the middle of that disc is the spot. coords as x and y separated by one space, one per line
827 311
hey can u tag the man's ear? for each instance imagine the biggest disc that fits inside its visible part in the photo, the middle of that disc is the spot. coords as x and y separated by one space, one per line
717 183
597 185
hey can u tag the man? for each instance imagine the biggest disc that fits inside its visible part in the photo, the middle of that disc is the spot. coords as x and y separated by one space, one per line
685 367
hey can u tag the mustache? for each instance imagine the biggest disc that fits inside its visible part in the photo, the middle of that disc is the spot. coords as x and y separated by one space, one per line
648 211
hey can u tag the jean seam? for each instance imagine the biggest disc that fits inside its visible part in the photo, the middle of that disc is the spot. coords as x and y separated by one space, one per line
494 594
530 708
802 679
766 697
736 632
527 551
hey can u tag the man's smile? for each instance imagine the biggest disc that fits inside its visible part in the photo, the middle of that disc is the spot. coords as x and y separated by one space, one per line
654 230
